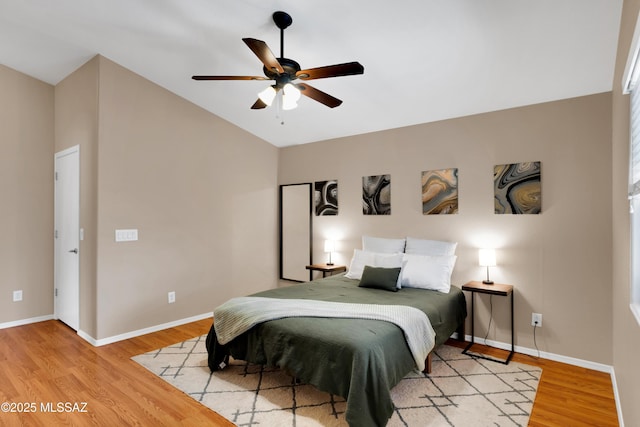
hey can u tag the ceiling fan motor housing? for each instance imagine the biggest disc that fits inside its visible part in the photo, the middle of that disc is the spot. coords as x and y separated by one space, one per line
290 67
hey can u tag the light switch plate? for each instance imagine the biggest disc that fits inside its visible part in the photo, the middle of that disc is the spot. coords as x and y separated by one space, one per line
130 235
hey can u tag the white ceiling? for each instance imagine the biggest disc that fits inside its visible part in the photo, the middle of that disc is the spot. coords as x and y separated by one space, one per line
424 60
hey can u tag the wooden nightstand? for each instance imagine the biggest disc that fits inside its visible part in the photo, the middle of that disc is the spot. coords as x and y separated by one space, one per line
495 289
333 269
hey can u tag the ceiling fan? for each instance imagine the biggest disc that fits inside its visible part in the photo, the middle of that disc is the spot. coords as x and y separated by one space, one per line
285 72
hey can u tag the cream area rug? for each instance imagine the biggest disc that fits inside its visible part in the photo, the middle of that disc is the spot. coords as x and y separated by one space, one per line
461 391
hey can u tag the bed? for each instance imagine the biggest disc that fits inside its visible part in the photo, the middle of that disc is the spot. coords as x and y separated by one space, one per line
358 359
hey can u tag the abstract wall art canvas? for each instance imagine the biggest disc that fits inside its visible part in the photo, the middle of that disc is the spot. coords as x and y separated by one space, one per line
326 197
376 195
440 192
517 188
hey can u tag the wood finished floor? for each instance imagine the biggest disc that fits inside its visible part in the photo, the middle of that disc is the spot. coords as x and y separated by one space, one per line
46 363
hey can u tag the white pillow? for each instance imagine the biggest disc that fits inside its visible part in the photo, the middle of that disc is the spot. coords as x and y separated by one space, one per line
358 261
430 247
382 245
428 272
362 258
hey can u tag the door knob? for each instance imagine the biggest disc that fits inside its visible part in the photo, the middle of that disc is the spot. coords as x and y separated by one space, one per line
75 251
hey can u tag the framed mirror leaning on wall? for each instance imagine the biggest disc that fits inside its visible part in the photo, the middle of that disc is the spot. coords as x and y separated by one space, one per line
296 210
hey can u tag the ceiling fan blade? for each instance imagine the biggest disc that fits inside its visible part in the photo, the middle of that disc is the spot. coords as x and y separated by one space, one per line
346 69
263 53
318 95
229 78
258 105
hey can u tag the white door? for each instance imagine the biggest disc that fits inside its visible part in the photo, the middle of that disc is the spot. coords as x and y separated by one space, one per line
67 242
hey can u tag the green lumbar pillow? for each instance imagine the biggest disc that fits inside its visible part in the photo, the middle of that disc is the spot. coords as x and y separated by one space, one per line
380 278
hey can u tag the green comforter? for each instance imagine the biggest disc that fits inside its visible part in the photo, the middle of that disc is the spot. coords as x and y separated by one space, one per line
360 360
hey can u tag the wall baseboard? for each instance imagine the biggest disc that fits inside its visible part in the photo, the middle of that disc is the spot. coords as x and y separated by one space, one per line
139 332
26 321
545 355
617 398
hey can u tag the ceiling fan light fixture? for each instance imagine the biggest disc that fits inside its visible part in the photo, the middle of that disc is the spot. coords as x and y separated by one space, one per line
267 95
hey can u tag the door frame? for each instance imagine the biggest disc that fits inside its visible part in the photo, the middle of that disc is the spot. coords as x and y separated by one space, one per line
56 252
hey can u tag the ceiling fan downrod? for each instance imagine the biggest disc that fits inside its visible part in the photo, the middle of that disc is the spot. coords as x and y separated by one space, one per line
282 21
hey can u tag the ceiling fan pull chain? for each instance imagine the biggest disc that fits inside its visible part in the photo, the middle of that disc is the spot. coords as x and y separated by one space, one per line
279 111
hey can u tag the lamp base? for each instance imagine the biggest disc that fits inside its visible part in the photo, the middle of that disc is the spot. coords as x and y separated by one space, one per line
329 263
488 282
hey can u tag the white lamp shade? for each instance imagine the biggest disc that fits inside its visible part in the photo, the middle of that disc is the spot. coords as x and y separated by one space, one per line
290 97
329 245
267 95
291 92
288 103
487 257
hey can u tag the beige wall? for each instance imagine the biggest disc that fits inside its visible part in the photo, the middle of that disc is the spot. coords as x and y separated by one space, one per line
76 123
26 188
559 261
202 194
626 331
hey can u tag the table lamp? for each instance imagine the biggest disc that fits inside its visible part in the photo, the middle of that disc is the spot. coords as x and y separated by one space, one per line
487 258
329 246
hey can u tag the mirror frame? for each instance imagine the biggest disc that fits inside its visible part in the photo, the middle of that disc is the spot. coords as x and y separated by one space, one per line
308 210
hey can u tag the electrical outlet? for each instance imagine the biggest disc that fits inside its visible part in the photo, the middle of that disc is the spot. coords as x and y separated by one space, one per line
536 320
17 296
171 297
